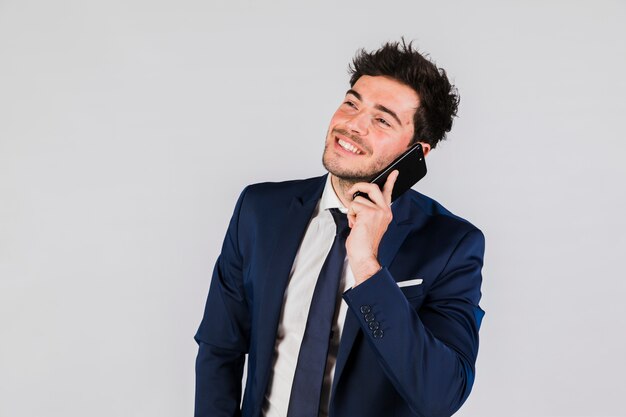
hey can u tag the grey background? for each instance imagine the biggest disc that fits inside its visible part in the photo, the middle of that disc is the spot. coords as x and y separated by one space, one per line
128 128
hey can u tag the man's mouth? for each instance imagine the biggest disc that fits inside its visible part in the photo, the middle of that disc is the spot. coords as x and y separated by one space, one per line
348 146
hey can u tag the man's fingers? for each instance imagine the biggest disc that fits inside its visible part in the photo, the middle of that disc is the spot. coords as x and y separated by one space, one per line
358 204
373 192
388 187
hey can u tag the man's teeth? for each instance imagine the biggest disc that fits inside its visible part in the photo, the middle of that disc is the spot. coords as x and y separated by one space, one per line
348 147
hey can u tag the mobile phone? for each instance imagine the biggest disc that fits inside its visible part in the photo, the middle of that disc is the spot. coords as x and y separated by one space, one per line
411 166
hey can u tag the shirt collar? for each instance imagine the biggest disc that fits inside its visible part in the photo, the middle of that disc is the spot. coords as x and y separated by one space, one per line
329 198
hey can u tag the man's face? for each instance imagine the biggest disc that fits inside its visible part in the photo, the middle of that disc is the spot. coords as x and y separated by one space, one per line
371 128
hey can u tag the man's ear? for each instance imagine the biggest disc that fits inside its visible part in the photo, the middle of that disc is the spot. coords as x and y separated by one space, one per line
425 148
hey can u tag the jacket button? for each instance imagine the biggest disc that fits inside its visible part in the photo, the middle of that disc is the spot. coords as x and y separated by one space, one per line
378 334
365 309
373 325
369 317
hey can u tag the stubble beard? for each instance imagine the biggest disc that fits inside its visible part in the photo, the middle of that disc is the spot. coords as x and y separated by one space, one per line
347 178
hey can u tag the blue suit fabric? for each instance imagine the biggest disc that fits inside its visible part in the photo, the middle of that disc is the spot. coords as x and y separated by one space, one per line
417 361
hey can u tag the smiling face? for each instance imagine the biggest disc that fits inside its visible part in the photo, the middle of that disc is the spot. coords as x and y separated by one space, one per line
371 128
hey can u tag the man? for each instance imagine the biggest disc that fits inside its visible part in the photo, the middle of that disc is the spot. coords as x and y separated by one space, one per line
401 337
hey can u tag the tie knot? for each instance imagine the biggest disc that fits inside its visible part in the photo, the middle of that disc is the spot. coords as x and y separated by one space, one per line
341 221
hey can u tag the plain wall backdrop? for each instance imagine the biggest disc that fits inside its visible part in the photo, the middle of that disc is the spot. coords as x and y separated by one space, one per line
128 129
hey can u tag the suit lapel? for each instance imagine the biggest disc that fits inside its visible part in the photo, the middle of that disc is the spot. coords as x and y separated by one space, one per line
276 277
348 337
400 226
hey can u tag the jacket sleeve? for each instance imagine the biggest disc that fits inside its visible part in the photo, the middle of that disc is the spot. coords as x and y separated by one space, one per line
223 335
427 353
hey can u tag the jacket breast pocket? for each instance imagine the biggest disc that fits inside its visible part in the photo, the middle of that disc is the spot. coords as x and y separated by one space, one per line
413 291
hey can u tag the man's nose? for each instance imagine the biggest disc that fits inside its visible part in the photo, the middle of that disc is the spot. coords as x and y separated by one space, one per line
358 123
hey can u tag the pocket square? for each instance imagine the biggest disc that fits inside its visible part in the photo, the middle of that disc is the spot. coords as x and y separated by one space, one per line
410 282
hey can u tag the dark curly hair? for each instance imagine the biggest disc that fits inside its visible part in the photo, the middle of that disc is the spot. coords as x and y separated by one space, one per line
439 100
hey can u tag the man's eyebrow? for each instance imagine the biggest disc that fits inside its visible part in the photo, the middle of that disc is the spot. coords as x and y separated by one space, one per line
390 112
378 106
354 93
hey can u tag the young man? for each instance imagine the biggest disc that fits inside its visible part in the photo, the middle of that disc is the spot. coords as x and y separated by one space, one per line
378 317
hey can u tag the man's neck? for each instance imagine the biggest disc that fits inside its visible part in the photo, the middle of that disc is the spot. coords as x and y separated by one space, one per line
341 188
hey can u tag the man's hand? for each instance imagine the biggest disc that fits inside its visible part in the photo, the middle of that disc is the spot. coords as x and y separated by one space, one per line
368 221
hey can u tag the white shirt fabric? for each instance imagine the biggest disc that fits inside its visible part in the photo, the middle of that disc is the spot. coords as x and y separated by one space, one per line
307 265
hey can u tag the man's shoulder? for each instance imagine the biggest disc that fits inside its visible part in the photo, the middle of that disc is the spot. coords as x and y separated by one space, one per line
435 213
289 186
278 192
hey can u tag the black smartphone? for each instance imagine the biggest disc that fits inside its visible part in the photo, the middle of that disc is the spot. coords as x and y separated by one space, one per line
411 166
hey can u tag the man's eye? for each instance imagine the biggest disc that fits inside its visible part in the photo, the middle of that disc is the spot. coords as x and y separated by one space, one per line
350 104
383 121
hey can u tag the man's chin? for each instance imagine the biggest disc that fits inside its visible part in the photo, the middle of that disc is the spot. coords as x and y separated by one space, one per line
351 178
348 176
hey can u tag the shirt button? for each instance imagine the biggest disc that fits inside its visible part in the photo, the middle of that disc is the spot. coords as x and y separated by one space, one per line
365 309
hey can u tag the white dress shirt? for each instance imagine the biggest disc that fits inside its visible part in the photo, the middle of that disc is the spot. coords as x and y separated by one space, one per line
307 265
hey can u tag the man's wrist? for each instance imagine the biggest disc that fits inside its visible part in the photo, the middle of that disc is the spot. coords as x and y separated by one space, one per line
365 270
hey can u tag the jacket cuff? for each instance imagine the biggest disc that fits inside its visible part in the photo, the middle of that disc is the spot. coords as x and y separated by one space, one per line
367 300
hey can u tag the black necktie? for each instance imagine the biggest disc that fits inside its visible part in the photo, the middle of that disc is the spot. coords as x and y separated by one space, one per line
307 383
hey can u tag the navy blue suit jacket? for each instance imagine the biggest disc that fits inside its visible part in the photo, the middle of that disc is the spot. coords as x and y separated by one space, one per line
424 363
